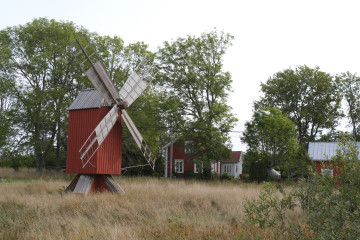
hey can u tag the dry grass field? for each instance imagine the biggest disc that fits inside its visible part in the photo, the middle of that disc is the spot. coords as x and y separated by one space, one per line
33 207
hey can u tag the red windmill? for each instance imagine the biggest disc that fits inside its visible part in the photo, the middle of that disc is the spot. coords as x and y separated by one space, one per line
96 116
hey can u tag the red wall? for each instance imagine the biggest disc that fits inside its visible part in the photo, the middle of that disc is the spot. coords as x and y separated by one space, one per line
107 159
179 153
328 165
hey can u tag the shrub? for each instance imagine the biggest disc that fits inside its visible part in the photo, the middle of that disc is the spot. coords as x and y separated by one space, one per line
331 205
268 211
258 170
226 176
189 174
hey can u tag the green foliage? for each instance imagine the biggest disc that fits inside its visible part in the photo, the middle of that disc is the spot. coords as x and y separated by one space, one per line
258 170
269 211
17 161
271 137
308 96
331 205
226 177
191 72
349 85
190 175
43 74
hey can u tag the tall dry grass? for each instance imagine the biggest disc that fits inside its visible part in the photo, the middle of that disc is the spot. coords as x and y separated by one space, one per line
33 207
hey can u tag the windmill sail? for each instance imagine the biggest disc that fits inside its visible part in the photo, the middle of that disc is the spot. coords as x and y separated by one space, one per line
133 88
101 81
145 150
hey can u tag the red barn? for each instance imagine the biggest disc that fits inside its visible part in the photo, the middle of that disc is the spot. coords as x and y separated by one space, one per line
321 153
85 113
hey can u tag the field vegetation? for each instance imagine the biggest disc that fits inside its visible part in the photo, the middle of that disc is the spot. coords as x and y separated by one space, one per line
36 207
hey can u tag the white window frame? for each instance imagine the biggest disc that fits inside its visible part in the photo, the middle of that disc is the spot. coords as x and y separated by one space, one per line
188 146
228 168
179 165
326 171
196 169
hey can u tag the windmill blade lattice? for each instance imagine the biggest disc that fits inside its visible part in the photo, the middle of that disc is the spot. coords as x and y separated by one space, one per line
145 150
101 81
133 88
99 134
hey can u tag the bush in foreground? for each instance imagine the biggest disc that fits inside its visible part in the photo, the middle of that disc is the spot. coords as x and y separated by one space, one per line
331 205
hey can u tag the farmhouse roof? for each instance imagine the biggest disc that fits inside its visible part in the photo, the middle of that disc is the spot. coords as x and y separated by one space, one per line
322 151
87 98
234 157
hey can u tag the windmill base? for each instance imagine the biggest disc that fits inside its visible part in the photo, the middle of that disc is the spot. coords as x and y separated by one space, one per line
92 183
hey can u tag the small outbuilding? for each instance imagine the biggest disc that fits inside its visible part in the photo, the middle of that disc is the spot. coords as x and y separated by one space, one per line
321 153
233 165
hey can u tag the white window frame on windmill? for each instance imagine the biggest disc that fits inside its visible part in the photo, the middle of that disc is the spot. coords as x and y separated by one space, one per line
188 146
179 165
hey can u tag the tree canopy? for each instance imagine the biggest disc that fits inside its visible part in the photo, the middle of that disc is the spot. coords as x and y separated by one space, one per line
271 137
349 85
44 83
308 96
191 72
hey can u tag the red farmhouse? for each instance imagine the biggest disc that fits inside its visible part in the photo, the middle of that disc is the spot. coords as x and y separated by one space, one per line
182 161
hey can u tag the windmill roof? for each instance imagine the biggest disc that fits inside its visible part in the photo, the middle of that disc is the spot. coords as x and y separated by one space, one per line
87 98
321 151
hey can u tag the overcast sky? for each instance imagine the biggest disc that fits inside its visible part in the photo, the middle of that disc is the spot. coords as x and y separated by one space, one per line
270 35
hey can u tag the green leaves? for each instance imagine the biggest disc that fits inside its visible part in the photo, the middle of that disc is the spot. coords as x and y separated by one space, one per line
272 135
349 84
269 211
307 96
43 74
191 74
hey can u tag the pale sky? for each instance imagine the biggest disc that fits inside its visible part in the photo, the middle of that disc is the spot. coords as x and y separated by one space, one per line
270 35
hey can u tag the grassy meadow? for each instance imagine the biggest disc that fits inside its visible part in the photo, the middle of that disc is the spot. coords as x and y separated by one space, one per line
36 207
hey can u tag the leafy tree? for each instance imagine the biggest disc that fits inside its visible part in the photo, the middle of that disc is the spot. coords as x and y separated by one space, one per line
271 138
350 88
308 96
6 97
44 76
191 74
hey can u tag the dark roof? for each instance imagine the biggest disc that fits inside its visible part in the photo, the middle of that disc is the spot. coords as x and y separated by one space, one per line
234 157
88 98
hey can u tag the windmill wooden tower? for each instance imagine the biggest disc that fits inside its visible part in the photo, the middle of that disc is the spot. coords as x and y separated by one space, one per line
95 125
